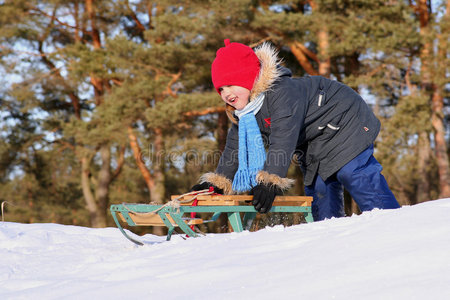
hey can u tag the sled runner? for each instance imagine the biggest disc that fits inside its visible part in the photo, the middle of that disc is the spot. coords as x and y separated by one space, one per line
172 214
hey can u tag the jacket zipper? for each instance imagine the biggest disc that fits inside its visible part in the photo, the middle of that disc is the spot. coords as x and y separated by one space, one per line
321 94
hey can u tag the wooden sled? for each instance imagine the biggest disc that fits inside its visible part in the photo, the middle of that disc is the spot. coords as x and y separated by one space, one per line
232 205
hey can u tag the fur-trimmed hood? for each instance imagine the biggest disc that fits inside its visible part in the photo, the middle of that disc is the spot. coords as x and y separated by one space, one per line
270 69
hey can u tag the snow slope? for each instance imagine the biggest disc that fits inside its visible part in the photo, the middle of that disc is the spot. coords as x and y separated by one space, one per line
392 254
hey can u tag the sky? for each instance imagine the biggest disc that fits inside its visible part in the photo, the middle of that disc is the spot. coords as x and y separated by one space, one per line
381 254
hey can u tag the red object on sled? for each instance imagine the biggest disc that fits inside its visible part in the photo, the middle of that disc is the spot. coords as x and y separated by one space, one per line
193 214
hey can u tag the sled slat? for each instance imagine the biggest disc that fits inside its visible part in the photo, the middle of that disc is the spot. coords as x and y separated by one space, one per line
205 200
152 219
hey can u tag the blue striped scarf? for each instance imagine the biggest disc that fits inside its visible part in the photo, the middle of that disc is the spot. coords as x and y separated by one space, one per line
252 154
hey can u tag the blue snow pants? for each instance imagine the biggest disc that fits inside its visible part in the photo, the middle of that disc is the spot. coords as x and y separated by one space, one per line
362 178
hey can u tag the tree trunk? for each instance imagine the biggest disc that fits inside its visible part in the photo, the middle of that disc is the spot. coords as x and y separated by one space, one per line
323 43
352 67
437 118
440 145
148 178
324 58
222 130
157 191
97 205
424 155
104 179
89 198
423 144
95 34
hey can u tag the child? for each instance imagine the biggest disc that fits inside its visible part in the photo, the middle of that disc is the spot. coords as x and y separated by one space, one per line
326 124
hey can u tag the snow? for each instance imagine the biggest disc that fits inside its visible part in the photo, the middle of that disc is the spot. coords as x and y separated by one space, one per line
382 254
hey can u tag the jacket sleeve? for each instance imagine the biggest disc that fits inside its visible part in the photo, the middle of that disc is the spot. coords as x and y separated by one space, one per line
287 112
228 163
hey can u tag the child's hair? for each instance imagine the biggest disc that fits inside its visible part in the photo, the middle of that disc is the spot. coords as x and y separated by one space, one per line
230 113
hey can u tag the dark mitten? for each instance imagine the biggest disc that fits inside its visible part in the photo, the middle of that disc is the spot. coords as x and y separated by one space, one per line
204 186
263 197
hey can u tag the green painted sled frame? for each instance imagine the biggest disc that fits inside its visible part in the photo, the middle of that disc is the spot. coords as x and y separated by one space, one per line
176 214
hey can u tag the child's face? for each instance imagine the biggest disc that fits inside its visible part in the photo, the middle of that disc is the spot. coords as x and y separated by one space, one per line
235 96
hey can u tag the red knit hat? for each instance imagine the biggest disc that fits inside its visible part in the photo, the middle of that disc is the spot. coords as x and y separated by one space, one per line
235 64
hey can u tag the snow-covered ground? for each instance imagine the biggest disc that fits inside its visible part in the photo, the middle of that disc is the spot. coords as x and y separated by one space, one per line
392 254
